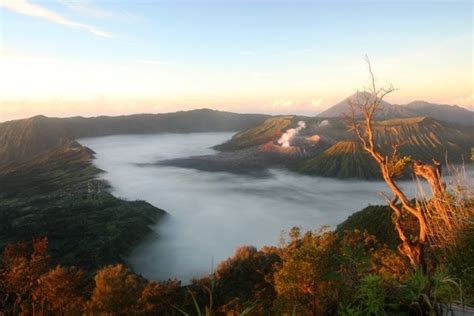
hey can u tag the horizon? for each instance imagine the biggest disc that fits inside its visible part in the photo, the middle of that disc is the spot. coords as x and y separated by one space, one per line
200 109
68 58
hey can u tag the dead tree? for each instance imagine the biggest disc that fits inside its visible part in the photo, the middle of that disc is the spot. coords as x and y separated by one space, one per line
392 166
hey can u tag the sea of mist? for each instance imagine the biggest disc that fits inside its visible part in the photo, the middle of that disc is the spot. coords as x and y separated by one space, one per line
212 213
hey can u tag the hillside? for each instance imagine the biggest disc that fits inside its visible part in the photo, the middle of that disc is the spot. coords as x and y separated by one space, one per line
56 194
20 140
26 138
342 160
337 154
422 138
425 138
385 110
443 112
376 220
270 129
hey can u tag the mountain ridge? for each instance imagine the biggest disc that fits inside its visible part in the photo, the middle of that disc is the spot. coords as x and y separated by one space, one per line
23 139
386 110
443 112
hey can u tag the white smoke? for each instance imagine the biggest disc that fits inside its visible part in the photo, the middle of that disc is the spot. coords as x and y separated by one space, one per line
324 123
288 136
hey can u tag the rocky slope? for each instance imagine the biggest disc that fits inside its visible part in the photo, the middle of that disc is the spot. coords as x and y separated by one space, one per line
337 154
344 159
422 138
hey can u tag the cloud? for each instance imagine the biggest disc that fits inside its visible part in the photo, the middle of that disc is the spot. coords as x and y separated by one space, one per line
86 8
34 10
316 102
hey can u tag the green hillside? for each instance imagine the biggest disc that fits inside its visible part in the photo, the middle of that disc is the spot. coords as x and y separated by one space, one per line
56 195
376 220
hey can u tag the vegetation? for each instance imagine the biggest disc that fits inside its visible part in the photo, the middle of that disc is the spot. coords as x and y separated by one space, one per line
57 196
376 220
438 218
355 270
314 273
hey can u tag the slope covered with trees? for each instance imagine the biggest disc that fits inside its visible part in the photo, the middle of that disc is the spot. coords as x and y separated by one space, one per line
311 273
56 194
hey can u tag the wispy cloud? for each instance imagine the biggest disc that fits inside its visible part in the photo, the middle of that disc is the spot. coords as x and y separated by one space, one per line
38 11
89 9
86 8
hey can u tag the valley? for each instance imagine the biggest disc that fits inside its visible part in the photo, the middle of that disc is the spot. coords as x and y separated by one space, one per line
48 169
212 213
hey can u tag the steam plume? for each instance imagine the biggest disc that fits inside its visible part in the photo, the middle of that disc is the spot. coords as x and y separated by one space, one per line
288 136
324 123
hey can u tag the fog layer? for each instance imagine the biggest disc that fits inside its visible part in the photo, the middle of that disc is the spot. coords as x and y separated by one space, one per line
213 213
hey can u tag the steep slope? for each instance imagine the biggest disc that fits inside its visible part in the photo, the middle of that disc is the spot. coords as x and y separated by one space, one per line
422 138
385 110
442 112
22 139
72 161
344 159
56 194
26 138
270 129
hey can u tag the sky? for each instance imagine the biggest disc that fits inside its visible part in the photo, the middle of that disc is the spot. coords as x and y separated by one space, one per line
89 57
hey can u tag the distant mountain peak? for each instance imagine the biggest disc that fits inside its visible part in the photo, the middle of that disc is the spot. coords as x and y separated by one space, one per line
384 111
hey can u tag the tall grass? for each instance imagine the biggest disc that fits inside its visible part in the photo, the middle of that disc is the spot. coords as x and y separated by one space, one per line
451 214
